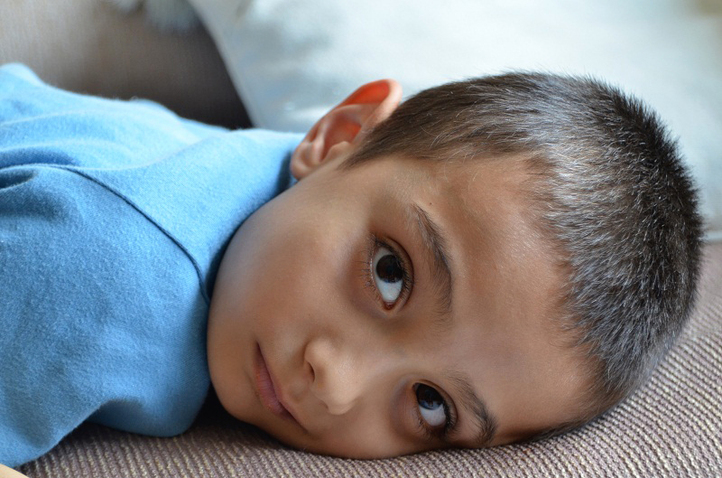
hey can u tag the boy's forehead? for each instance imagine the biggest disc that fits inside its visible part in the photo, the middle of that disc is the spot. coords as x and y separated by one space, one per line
507 281
486 194
455 177
481 211
480 204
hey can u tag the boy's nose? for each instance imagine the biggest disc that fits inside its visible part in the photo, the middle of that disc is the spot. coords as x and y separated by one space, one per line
339 376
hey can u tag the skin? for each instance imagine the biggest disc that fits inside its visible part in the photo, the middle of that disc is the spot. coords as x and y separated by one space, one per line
345 349
6 472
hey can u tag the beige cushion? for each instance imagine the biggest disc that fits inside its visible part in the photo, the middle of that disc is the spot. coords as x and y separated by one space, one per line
671 427
88 46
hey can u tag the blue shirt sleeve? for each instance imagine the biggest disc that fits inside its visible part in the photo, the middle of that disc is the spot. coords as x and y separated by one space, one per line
113 218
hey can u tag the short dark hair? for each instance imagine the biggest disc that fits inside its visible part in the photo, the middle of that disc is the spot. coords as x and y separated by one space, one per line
611 194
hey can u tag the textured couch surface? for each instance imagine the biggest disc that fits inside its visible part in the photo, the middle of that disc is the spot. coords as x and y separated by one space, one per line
671 427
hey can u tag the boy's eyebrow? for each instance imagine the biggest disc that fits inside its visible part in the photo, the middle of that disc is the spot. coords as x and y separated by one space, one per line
435 242
485 423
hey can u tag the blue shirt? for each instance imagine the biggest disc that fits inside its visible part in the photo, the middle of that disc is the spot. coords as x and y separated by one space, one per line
113 220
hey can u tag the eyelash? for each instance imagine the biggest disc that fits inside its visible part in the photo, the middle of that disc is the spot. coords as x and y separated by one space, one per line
407 286
431 433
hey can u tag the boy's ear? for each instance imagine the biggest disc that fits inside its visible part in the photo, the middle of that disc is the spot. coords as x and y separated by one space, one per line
346 125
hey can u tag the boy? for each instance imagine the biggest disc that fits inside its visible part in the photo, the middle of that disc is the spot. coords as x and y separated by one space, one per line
490 261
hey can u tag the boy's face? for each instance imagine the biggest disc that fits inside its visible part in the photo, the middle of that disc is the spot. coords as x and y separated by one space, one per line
395 307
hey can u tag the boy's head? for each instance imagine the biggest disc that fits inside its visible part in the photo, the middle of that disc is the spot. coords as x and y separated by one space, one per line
489 261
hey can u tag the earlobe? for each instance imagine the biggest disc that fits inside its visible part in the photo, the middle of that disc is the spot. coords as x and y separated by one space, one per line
345 126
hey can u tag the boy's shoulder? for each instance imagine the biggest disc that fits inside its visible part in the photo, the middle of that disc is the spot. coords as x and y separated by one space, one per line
193 182
43 124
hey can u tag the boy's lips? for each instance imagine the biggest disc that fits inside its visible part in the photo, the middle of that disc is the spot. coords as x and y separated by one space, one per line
267 390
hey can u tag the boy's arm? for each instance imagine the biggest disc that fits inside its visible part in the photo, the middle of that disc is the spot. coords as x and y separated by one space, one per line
52 232
104 314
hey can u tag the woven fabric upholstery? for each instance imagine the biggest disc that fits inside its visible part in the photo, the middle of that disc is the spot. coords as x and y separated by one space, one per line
671 427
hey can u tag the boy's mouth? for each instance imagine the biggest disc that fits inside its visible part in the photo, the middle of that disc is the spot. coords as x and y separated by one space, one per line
266 388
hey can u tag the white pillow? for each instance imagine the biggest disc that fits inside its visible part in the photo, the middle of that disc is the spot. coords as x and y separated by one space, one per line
291 60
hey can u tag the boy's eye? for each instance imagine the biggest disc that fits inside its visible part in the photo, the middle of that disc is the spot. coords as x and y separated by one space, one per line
389 273
432 406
